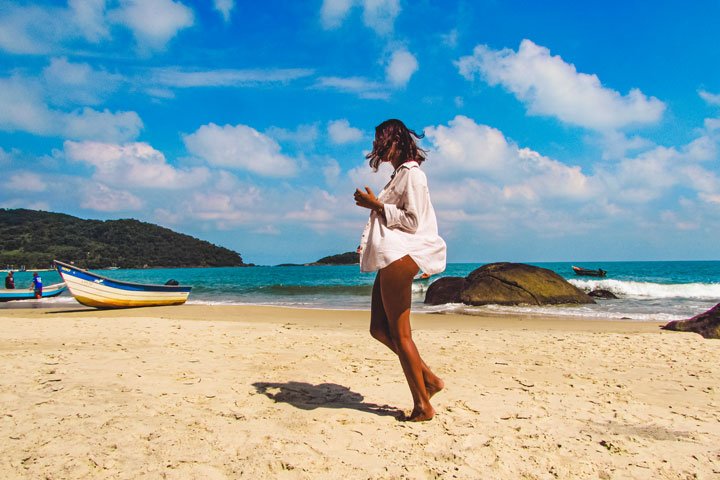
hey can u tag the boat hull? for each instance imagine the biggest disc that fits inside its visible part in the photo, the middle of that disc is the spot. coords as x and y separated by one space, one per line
589 273
94 290
28 293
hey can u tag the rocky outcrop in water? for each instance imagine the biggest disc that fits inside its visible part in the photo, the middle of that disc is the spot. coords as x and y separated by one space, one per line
506 284
706 324
604 294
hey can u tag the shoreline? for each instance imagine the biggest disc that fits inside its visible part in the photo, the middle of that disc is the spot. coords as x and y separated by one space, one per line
324 317
269 392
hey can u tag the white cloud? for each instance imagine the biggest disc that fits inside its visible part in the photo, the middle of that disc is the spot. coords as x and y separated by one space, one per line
68 82
475 170
32 29
331 172
617 144
465 149
362 176
219 207
38 30
225 7
133 165
653 173
5 157
101 198
401 67
153 22
25 182
359 86
379 15
240 147
550 86
333 12
89 15
715 199
22 108
711 98
183 78
712 124
341 132
103 126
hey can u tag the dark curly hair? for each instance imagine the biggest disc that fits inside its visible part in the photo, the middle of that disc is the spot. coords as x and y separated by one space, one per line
394 140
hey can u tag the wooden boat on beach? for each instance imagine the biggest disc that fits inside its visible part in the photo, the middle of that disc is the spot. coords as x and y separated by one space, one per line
588 272
7 295
94 290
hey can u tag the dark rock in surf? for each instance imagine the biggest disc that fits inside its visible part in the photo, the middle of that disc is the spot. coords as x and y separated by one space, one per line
445 290
507 284
517 283
706 324
601 293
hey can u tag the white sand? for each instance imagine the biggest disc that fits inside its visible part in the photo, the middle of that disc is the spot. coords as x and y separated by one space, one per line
251 392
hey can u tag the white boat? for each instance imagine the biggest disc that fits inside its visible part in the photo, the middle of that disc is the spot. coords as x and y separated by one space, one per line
94 290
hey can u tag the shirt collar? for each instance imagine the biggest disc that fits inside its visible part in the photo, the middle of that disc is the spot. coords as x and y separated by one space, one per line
408 165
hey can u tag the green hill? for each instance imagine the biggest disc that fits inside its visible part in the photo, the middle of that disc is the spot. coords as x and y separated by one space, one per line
34 239
347 258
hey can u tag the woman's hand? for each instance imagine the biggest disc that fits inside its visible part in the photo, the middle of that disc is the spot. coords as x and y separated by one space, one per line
367 199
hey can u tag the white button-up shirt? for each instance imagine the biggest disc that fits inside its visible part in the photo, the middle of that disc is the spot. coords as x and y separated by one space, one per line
409 226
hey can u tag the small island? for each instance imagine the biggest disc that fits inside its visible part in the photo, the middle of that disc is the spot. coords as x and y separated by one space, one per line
347 258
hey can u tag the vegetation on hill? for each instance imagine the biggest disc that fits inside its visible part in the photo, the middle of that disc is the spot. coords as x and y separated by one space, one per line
34 239
347 258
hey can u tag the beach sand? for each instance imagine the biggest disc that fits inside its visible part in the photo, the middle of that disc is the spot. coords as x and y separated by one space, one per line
261 392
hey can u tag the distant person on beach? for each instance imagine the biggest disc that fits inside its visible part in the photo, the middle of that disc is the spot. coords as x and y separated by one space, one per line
10 281
400 239
37 285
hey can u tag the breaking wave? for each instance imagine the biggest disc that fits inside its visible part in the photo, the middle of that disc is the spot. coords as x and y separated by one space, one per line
696 291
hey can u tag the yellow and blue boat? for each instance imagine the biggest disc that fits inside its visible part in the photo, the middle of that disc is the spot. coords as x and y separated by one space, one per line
7 295
94 290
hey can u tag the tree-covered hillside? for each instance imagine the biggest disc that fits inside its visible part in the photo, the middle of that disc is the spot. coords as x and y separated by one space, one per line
34 239
347 258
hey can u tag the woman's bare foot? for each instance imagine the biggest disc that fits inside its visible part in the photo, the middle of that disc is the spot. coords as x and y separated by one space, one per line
434 386
419 415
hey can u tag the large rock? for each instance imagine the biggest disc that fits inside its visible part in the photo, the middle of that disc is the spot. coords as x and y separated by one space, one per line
507 284
706 324
445 290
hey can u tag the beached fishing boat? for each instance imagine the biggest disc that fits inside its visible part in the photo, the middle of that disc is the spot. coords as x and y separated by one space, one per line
54 290
588 272
94 290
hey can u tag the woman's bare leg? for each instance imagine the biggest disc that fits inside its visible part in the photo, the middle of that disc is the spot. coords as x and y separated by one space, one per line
380 331
396 291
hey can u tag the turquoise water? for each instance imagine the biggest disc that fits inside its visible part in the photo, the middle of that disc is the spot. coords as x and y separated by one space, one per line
657 291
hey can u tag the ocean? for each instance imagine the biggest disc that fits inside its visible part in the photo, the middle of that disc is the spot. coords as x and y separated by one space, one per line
647 291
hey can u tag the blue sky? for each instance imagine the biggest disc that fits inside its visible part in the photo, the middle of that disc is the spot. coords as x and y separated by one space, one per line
556 131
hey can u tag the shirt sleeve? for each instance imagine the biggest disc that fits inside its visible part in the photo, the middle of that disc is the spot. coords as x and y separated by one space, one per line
413 198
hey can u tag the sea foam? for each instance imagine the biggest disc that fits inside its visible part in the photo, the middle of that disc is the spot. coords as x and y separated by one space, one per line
621 288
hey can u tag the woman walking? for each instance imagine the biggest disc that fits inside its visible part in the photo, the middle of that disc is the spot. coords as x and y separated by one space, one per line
401 238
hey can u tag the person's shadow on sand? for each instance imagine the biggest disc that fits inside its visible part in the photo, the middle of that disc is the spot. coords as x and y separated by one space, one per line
327 395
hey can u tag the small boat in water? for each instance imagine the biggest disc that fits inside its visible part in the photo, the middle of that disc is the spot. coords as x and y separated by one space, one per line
7 295
588 272
94 290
